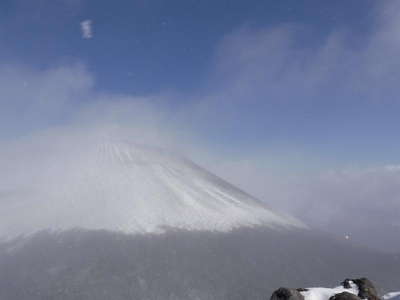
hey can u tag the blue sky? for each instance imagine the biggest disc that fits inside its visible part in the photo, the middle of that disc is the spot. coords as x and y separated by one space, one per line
288 99
144 48
148 46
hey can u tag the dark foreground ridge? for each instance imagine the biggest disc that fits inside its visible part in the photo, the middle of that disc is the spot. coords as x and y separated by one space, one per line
242 264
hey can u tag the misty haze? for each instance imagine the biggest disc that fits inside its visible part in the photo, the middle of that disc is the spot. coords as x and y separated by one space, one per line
199 150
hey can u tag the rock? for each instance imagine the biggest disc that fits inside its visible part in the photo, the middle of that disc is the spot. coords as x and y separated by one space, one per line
346 283
287 294
366 289
344 296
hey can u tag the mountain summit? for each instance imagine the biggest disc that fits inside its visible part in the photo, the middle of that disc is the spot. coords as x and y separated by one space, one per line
131 188
94 195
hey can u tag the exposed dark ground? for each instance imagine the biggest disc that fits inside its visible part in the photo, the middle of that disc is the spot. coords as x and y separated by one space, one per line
243 264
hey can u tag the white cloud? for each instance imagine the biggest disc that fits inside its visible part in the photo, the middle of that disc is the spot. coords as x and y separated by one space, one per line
87 29
32 99
363 203
280 64
345 202
263 64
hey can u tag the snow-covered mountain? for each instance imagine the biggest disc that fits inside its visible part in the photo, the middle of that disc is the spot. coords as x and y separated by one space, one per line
97 196
126 187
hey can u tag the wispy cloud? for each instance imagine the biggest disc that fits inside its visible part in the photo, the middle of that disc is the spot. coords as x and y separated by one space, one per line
87 29
256 71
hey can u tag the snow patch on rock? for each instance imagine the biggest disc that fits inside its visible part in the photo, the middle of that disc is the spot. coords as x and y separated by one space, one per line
319 293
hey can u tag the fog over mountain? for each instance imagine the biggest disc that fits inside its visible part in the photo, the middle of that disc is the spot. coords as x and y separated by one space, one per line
307 125
89 217
94 183
197 150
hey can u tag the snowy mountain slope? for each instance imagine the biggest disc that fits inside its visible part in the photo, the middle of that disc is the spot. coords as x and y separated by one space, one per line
122 186
223 247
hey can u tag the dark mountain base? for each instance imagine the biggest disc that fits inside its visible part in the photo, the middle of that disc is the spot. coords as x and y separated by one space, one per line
243 264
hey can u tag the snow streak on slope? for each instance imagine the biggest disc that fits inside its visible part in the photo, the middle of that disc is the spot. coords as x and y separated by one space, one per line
122 186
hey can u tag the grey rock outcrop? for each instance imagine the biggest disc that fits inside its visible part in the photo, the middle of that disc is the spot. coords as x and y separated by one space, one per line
345 296
287 294
366 289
